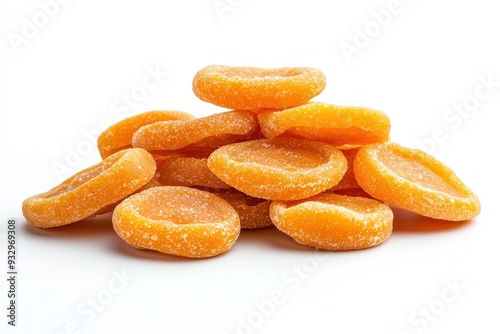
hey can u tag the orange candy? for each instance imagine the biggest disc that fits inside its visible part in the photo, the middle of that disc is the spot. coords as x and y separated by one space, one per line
210 132
189 169
279 169
414 180
119 135
349 180
252 88
253 212
151 184
334 222
338 125
178 221
91 190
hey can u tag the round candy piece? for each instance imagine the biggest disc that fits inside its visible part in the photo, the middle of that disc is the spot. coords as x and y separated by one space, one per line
253 212
414 180
119 135
334 222
178 221
280 168
88 192
190 169
252 88
212 131
341 126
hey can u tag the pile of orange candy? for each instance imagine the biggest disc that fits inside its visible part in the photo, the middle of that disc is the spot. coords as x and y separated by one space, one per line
323 174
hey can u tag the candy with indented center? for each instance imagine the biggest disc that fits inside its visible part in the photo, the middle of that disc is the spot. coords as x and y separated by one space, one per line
341 126
119 135
91 190
414 180
178 221
280 168
208 132
334 222
190 169
252 88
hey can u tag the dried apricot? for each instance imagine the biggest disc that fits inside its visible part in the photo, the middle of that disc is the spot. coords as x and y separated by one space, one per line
189 169
119 135
414 180
178 221
211 131
252 88
253 212
91 190
280 168
334 222
338 125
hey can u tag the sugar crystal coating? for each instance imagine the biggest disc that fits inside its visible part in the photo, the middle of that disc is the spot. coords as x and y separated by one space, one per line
211 131
253 212
334 222
339 125
119 135
280 168
178 221
414 180
86 193
189 169
253 88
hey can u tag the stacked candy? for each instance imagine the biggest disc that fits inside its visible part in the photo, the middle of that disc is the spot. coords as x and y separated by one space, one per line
323 174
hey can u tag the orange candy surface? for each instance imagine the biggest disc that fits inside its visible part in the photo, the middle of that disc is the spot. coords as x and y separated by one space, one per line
212 131
349 180
279 169
91 190
178 221
338 125
334 222
253 212
252 88
189 169
414 180
119 135
317 171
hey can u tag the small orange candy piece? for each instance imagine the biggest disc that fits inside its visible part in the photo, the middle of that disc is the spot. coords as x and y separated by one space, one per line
119 135
349 180
210 132
189 169
88 192
341 126
178 221
253 212
334 222
414 180
280 168
252 88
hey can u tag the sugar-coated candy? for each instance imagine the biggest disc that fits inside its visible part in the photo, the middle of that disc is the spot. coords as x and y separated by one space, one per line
178 221
280 168
339 125
86 193
414 180
119 135
253 88
334 222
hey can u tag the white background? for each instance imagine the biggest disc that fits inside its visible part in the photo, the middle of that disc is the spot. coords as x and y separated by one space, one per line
66 78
